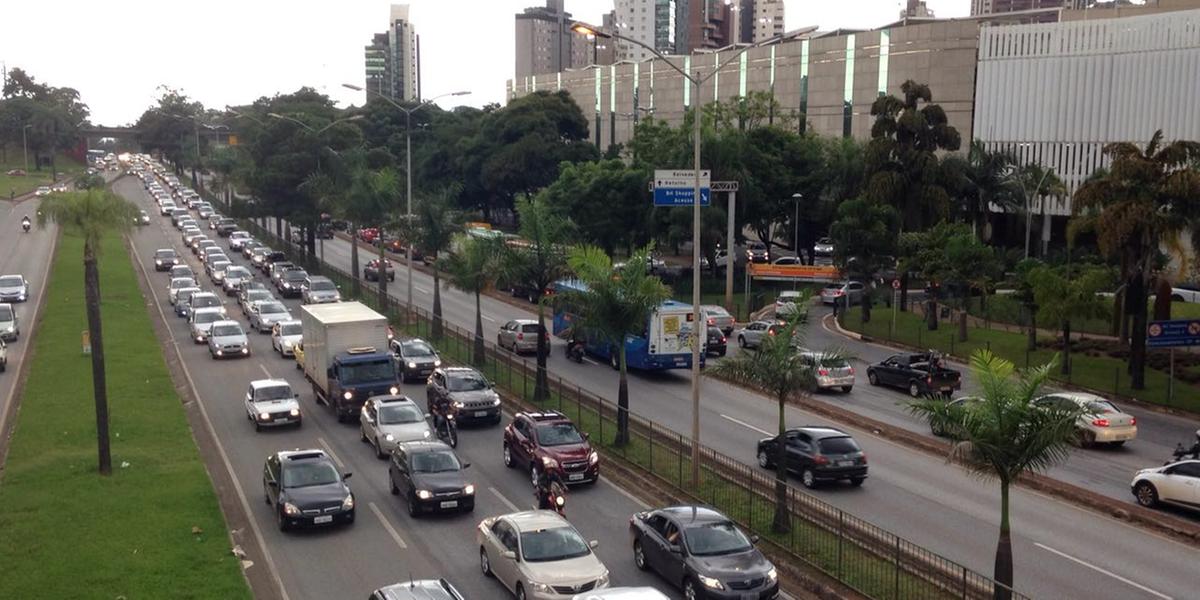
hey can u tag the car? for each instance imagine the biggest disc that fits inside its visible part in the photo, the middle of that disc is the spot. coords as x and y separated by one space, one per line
272 403
194 245
178 283
817 454
417 358
430 477
549 441
967 402
1101 422
201 320
291 283
258 254
235 275
419 589
787 261
3 355
622 593
16 173
225 226
264 314
371 271
389 420
248 297
10 325
13 288
1176 483
227 339
142 218
270 258
199 300
164 259
181 271
845 292
538 555
275 271
823 247
42 190
921 374
468 390
216 269
703 552
249 247
751 336
237 239
790 303
208 252
305 488
166 208
829 371
520 335
190 233
285 335
177 215
368 234
183 301
717 343
319 290
757 252
717 316
204 212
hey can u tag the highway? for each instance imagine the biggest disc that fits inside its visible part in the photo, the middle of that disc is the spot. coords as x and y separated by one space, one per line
1061 551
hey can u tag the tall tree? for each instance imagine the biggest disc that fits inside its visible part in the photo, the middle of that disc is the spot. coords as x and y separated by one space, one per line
609 202
979 180
92 214
1147 198
863 240
472 267
1062 296
1035 182
376 191
435 221
1002 436
617 303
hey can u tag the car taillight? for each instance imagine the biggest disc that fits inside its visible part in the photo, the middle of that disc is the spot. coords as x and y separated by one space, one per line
929 380
823 372
820 460
1133 420
712 321
770 332
1100 422
520 336
851 369
722 339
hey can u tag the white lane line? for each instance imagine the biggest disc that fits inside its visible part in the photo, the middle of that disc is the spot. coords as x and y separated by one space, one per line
32 320
1100 570
486 317
264 370
421 289
388 526
746 425
622 491
506 501
590 361
328 450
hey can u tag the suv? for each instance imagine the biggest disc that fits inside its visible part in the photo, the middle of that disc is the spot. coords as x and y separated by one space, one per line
1176 483
549 441
417 358
291 283
421 589
389 420
271 402
468 390
305 488
817 454
430 477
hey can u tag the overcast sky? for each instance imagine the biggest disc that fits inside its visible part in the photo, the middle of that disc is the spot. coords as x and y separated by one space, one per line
117 52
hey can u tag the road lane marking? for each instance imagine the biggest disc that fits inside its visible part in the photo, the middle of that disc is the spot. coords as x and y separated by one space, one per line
1100 570
388 526
622 491
506 501
341 465
487 318
420 289
746 425
264 370
25 354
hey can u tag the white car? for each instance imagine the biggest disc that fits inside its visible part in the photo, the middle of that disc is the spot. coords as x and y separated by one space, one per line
389 420
823 247
271 402
1101 422
788 303
1177 483
1186 292
178 283
42 191
13 288
622 593
237 239
264 314
285 336
201 321
537 553
227 339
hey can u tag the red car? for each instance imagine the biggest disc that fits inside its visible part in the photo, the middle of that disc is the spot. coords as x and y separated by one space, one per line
371 271
368 234
550 441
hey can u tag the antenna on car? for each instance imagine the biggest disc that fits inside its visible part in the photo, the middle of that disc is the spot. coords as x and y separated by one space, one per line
411 584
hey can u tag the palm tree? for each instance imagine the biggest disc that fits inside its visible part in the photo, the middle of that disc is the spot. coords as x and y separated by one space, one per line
471 267
1144 201
618 303
776 369
1035 181
1001 435
433 227
982 179
377 191
92 214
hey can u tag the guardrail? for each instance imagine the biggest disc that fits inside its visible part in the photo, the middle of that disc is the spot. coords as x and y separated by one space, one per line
867 558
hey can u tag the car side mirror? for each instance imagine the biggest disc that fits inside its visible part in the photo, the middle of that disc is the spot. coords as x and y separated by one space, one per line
428 416
466 465
593 544
329 372
587 436
296 396
675 549
247 397
347 475
754 538
273 484
509 554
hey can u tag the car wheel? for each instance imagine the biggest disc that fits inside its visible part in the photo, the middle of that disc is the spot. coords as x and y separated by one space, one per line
639 556
689 590
500 342
508 459
872 378
362 434
534 476
379 453
846 389
857 481
266 496
914 390
413 511
280 521
1146 494
808 478
1086 439
741 341
392 484
764 461
257 426
484 564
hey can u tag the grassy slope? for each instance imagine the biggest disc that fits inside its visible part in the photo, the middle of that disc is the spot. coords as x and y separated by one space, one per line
1006 309
34 178
69 533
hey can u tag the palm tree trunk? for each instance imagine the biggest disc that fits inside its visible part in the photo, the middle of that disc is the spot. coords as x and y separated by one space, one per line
355 286
783 517
91 286
479 348
1003 569
1066 365
866 305
1031 342
904 291
437 303
383 280
622 400
541 386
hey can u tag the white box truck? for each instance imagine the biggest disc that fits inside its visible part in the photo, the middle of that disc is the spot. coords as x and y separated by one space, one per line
346 355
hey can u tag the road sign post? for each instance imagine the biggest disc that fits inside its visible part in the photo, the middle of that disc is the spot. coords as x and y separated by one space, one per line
676 187
1170 334
895 304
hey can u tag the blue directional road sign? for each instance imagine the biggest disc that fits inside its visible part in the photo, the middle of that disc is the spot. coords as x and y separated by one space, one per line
675 187
1180 332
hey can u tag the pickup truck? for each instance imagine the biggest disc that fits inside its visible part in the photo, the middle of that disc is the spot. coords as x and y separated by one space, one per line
346 356
921 374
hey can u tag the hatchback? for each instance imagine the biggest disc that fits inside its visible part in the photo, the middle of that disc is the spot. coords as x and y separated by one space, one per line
227 339
389 420
817 454
305 488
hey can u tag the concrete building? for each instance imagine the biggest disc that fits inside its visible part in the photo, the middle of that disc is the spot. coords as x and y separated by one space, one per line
545 42
988 7
393 58
378 66
651 22
768 20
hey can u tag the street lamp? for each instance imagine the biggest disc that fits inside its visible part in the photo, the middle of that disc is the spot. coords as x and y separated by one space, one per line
408 111
25 144
796 198
697 81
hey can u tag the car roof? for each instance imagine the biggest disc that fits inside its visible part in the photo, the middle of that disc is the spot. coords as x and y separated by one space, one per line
425 446
421 589
262 383
820 432
226 322
531 520
287 322
460 370
300 455
171 250
1079 396
392 399
549 416
213 294
688 513
207 310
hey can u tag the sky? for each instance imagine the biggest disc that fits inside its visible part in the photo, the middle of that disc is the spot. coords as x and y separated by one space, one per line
227 52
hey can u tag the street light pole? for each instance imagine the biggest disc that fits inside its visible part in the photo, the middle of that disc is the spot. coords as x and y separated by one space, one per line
25 145
796 226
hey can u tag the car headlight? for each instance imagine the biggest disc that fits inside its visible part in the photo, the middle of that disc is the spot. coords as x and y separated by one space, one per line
428 434
245 351
593 457
424 494
772 575
348 503
496 401
394 390
290 509
549 463
412 365
158 262
470 489
348 395
458 404
262 416
602 581
540 588
220 353
437 363
389 437
295 412
711 582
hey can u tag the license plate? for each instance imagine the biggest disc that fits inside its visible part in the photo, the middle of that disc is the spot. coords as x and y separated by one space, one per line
946 389
449 504
323 519
481 413
575 477
845 463
749 596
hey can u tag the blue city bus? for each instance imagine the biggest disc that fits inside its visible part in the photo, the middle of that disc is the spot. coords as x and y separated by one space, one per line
664 344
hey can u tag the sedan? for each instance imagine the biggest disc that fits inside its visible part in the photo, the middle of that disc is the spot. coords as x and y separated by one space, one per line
10 326
718 317
271 403
846 292
430 477
751 336
13 288
1100 421
703 552
389 420
265 314
717 343
305 488
285 336
183 301
234 276
201 321
319 290
227 339
164 259
248 297
823 247
817 454
537 554
182 271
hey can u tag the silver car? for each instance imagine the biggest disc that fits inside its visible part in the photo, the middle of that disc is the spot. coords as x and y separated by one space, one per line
201 322
718 317
417 358
751 336
1101 422
227 339
234 276
319 290
237 239
823 247
850 292
10 326
519 335
538 555
216 269
285 336
264 314
389 420
249 297
183 301
829 371
13 288
182 271
201 300
271 402
178 283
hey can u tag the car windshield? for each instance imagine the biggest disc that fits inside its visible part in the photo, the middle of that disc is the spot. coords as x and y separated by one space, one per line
416 348
399 414
186 294
6 313
716 538
309 474
322 286
838 445
559 543
529 328
11 281
237 272
274 392
295 276
254 295
467 383
208 317
1096 407
831 362
558 434
199 301
290 329
371 371
270 308
227 330
833 286
182 282
434 462
715 311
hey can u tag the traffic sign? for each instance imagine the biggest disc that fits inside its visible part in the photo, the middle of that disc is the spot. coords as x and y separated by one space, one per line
675 187
1178 332
895 284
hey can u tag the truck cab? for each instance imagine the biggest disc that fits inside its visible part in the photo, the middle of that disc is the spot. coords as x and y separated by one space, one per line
358 374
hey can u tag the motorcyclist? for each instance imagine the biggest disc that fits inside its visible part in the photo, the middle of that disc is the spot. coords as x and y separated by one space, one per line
25 222
440 407
1181 452
575 344
548 489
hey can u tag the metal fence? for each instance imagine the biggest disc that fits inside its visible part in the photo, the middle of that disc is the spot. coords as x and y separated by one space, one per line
865 557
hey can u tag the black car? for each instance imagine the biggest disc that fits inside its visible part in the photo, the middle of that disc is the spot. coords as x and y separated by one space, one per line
717 343
164 259
702 551
291 283
921 374
269 258
817 454
305 488
417 358
421 589
226 226
430 477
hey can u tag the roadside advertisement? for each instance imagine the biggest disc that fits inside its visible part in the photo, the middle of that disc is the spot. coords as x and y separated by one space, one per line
814 273
671 331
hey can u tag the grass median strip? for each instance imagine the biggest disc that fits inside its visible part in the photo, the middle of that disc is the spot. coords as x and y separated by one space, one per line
151 530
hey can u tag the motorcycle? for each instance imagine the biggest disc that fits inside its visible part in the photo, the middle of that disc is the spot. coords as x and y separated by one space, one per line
26 225
446 428
552 498
575 352
1181 453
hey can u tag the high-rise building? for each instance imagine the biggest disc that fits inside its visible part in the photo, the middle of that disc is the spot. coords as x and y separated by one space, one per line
706 24
636 19
916 9
768 19
545 42
393 59
991 7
